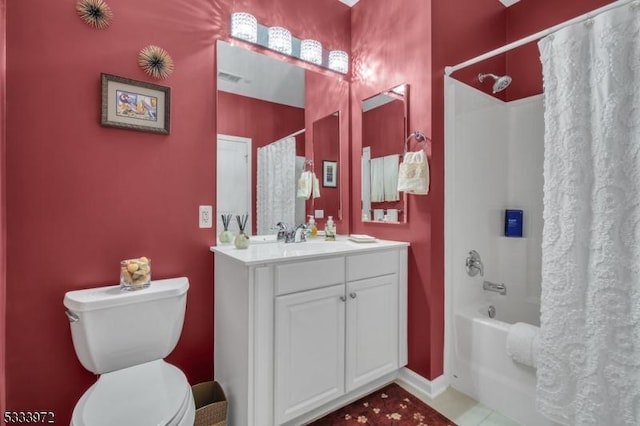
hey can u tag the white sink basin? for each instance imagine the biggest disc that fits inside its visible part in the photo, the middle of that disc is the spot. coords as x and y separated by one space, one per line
261 239
265 249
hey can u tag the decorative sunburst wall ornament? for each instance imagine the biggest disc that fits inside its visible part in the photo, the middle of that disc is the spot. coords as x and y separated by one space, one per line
95 13
156 62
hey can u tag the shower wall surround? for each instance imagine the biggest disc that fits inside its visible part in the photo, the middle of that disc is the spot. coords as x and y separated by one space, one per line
498 154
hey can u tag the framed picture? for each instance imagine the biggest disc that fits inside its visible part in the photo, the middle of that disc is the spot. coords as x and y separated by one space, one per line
135 105
329 174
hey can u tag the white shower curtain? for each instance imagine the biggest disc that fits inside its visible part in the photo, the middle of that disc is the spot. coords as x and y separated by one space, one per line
276 185
589 360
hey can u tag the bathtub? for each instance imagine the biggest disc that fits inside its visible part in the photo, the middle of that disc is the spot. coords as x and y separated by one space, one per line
481 368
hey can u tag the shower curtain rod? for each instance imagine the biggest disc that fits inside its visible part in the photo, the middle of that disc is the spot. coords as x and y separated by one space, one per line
295 133
537 36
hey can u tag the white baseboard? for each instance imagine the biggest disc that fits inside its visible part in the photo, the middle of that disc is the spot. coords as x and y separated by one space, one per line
421 387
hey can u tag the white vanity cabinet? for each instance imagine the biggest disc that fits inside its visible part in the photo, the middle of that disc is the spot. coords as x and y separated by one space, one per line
300 334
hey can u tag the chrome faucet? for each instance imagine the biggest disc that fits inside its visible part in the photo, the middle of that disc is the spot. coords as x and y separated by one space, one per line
294 235
299 234
498 288
474 264
282 231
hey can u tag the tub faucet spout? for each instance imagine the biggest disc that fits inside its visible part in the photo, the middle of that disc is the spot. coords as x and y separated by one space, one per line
498 288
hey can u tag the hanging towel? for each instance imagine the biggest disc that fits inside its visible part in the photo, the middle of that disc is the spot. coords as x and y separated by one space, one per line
316 187
522 343
391 164
305 184
377 179
413 176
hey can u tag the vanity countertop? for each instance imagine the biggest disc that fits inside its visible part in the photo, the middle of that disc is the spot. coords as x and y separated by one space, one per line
273 252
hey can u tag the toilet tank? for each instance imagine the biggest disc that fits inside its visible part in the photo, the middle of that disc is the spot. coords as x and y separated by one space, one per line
114 329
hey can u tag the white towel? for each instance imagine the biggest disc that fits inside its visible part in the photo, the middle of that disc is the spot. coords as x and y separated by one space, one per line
392 215
316 187
413 176
377 179
305 183
522 343
391 164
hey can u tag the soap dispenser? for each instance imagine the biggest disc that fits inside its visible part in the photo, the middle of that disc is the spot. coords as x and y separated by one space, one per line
330 230
313 229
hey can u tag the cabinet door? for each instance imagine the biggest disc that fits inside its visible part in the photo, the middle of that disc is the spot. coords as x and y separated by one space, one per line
372 329
309 350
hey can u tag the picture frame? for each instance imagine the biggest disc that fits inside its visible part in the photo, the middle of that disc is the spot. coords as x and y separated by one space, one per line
329 174
135 105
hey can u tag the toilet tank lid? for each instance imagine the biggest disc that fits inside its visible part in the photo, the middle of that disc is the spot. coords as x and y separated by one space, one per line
111 296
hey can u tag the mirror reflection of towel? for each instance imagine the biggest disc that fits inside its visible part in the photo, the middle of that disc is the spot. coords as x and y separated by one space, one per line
305 184
377 179
391 163
316 187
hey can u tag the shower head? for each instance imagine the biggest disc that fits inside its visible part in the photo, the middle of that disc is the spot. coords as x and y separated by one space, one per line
500 84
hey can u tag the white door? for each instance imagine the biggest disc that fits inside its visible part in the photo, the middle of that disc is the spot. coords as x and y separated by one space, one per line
372 329
309 350
233 180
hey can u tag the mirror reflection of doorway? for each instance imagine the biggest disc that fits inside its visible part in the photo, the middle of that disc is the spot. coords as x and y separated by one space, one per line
233 180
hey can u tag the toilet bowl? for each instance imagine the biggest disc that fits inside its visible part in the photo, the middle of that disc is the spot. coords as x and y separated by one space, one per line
123 337
155 393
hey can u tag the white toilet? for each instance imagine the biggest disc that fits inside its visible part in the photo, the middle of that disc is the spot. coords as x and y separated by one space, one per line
123 336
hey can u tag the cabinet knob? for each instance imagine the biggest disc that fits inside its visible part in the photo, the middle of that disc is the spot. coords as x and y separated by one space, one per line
344 299
352 295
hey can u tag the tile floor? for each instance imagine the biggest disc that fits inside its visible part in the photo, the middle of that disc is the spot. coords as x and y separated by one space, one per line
466 411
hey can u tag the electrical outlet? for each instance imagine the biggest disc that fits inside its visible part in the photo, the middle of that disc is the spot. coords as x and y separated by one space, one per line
205 216
319 214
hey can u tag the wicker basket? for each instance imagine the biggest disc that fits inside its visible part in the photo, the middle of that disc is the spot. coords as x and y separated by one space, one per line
211 404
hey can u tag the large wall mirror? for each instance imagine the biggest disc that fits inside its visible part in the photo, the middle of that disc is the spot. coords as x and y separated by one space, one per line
384 132
278 142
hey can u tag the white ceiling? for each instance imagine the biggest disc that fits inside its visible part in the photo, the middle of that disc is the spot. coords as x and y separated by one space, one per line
259 76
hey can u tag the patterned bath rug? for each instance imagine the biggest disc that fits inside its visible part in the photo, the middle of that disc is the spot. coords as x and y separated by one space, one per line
390 405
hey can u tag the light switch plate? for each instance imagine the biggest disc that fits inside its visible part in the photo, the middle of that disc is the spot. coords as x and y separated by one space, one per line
319 214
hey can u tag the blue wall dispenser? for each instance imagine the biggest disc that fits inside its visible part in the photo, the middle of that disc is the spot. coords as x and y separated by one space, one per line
513 223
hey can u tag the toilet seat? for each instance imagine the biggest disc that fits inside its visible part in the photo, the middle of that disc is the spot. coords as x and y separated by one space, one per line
154 393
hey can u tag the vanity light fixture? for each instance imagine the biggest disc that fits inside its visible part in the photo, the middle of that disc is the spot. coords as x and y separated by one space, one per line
280 40
311 51
244 26
339 61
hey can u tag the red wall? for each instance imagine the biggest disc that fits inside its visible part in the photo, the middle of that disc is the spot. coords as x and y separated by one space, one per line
264 122
3 206
81 197
528 17
495 26
383 129
391 45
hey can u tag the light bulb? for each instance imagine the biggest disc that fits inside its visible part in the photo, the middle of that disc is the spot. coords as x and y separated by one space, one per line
311 51
244 26
280 40
339 61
